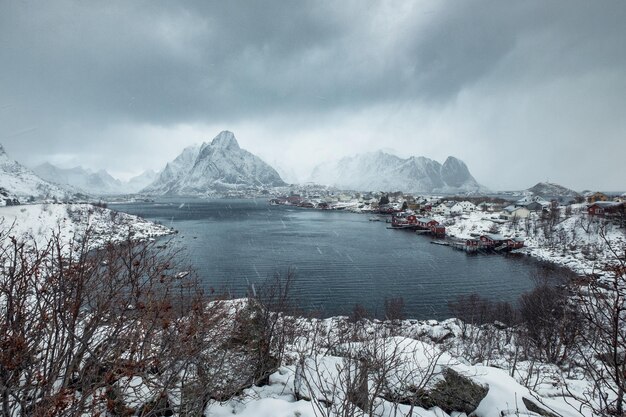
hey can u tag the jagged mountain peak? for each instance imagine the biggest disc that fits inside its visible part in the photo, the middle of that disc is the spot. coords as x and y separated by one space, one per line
450 160
454 172
225 140
216 166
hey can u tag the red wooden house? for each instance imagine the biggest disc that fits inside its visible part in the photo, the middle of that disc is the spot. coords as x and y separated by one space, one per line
491 240
426 222
515 243
605 208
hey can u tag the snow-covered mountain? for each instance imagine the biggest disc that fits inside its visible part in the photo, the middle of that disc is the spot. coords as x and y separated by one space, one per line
549 189
213 167
86 181
174 172
380 171
17 181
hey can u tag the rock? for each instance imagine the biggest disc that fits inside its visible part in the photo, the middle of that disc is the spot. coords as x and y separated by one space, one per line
531 406
454 392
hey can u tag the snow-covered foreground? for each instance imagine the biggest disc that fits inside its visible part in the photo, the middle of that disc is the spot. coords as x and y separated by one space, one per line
412 366
333 367
37 223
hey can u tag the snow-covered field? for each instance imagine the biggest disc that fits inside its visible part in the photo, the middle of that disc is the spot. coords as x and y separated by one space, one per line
38 223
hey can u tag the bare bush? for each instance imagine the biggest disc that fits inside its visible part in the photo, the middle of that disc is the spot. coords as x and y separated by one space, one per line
602 306
394 308
87 331
550 322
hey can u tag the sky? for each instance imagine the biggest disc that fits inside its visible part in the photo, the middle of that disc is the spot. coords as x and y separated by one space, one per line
522 91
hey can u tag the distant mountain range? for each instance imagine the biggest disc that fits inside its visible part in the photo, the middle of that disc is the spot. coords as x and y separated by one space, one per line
221 165
19 182
380 171
214 167
86 181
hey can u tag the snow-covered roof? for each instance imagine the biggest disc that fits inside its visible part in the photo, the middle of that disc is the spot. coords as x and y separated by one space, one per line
605 204
495 236
511 209
425 220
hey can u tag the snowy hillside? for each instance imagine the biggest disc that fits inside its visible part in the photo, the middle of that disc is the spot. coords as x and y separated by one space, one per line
549 189
17 181
380 171
579 242
216 166
39 221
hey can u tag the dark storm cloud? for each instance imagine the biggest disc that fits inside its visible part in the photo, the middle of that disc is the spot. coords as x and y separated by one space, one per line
72 70
154 61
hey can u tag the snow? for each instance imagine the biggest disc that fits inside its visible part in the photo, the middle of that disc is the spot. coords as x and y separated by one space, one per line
419 355
322 382
41 221
576 242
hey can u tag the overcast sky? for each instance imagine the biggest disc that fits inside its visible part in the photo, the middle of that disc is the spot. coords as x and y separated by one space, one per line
522 91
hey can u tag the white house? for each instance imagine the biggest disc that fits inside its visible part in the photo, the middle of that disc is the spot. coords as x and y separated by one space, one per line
524 201
512 212
440 208
463 207
486 206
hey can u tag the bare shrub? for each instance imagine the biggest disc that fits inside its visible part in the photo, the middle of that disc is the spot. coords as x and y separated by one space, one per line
83 331
602 309
394 308
359 312
551 323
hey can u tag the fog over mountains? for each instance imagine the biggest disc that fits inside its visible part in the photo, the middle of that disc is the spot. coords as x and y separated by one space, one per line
222 165
19 182
86 181
380 171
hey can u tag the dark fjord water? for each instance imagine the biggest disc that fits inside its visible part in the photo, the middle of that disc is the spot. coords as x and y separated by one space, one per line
341 258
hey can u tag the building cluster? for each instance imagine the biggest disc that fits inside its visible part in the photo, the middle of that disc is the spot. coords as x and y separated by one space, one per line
598 204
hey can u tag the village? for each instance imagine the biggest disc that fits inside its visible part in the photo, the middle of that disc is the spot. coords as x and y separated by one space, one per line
578 232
